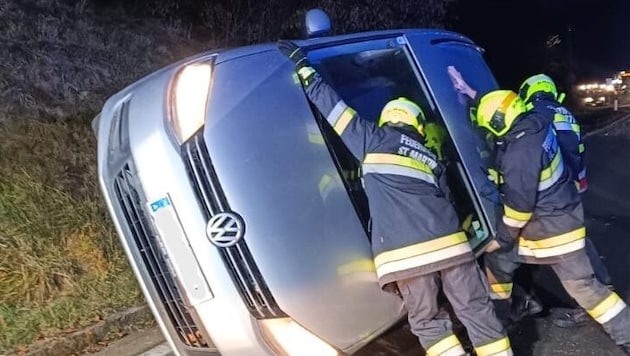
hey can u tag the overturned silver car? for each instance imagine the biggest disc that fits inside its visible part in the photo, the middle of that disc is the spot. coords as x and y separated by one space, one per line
241 212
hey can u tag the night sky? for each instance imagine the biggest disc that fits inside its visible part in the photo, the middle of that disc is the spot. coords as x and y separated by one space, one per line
514 33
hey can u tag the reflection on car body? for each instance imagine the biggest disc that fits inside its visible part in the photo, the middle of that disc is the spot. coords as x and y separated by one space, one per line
241 212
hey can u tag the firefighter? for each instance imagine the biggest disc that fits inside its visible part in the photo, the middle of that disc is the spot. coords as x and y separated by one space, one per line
416 240
539 92
543 221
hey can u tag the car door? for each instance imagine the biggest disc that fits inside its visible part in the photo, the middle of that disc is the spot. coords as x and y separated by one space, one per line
368 73
433 53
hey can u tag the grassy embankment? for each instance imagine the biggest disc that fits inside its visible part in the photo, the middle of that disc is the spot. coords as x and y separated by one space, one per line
60 263
61 266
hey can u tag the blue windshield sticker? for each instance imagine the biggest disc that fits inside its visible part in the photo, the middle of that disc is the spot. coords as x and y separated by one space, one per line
159 204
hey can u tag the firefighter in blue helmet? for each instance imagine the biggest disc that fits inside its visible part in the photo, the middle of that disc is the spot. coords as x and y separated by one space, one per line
540 94
417 243
543 220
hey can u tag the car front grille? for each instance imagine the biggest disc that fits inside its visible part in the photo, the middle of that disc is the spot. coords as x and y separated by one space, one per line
237 258
131 198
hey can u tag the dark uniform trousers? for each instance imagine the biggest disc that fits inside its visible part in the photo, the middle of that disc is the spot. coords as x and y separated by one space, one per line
577 277
474 309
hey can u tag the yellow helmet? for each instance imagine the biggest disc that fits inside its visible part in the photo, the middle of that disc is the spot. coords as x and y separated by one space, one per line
539 83
497 111
402 111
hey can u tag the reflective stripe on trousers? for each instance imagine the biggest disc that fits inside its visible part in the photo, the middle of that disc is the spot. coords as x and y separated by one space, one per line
500 347
607 308
501 291
448 346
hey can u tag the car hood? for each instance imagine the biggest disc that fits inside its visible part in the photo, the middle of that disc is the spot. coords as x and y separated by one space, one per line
301 228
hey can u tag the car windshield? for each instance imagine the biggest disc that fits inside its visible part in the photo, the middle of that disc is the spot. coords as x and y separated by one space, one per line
369 74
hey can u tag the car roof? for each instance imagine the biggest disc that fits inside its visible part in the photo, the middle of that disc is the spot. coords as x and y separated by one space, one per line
230 53
325 41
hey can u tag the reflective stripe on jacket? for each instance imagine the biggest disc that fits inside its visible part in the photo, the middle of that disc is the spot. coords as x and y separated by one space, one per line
569 136
538 194
415 229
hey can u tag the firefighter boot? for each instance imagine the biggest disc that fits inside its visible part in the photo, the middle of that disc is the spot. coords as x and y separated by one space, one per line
571 318
502 308
524 306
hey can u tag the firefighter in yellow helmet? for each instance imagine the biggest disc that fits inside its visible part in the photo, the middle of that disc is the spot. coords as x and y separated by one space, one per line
418 245
539 92
543 220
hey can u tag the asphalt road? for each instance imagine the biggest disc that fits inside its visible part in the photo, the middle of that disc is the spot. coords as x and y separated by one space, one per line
608 224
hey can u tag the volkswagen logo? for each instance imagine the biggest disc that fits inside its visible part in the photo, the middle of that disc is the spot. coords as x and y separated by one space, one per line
225 229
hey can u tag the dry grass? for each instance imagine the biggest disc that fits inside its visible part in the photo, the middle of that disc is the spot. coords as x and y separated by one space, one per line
61 265
60 262
62 58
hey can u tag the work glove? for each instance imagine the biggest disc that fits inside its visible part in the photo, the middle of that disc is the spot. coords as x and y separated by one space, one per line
305 72
435 135
494 176
506 236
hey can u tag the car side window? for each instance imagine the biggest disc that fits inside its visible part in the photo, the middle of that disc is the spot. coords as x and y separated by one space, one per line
366 75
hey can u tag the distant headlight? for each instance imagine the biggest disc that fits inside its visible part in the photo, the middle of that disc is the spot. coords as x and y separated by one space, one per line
588 99
288 338
189 100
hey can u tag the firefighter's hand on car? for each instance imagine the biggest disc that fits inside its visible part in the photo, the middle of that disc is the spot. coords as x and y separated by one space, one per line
459 83
294 52
303 68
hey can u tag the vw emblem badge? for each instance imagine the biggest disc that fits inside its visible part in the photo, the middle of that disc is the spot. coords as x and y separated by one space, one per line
225 229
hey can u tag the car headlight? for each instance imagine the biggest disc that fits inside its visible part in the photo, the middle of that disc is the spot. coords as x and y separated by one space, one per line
588 99
189 100
288 338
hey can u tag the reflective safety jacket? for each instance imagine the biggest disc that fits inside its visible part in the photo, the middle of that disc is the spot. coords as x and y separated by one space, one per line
415 229
568 134
539 198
